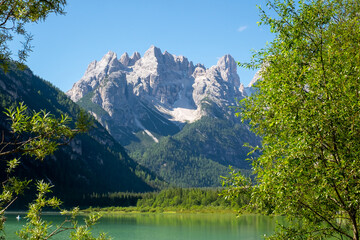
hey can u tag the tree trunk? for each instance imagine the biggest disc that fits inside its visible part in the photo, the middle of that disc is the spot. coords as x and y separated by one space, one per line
355 227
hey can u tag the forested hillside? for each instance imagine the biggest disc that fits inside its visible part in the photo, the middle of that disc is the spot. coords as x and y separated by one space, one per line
200 153
92 162
172 116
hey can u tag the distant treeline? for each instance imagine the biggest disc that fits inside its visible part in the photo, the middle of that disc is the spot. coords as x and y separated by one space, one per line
118 199
179 198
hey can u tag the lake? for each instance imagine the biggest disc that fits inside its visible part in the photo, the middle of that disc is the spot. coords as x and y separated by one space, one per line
167 226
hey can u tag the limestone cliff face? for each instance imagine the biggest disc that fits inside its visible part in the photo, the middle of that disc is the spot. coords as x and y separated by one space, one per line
91 163
220 83
171 115
156 93
159 77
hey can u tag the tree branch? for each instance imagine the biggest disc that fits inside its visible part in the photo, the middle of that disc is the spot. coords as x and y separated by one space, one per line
9 14
325 219
60 229
3 210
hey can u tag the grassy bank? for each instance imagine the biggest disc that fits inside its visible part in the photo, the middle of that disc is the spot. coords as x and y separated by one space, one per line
124 210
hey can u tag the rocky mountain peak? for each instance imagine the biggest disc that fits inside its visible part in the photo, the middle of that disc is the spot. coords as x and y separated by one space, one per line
153 52
91 66
227 61
124 59
228 69
109 63
162 82
136 56
200 66
148 98
95 73
199 71
129 61
108 58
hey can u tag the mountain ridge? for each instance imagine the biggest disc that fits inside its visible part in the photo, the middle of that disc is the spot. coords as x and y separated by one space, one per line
92 162
170 84
154 98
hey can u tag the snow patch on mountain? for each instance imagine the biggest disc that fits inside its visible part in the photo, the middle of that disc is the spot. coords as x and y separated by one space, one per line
158 88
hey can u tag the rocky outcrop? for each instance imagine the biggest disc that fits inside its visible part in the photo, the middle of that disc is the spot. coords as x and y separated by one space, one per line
220 83
171 115
95 73
129 61
91 163
139 93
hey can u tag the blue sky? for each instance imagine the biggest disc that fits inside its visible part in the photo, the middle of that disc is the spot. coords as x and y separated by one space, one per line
202 31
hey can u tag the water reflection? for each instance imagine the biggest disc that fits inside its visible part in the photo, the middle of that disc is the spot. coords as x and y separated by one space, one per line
171 226
189 226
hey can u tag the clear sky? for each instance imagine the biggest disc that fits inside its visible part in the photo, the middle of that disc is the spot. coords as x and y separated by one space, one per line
202 31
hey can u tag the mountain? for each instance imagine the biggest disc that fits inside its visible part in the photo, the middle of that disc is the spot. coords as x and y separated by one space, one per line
200 153
91 163
154 105
156 94
250 88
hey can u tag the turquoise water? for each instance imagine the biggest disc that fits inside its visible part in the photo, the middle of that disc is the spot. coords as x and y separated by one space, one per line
169 226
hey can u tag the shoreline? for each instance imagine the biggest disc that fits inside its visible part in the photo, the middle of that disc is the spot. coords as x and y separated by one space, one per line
167 210
136 210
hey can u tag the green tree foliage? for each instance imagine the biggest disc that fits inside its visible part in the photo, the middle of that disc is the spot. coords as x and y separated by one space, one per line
45 133
111 199
115 172
306 109
37 228
189 198
199 153
237 187
38 134
14 14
